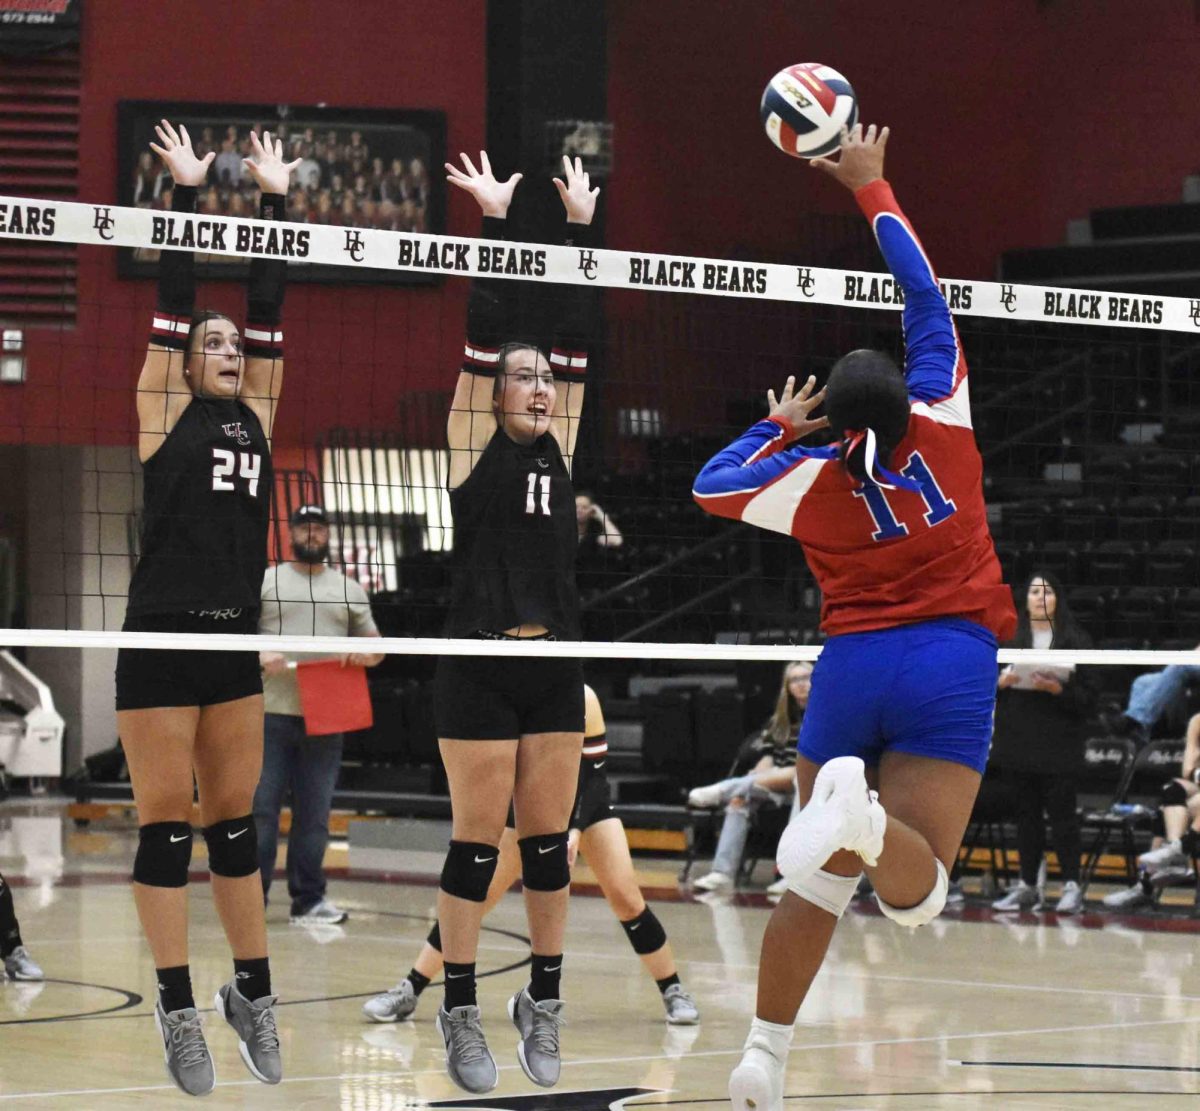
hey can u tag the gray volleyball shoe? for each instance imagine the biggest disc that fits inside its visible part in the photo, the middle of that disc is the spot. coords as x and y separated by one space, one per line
393 1005
189 1064
19 965
538 1024
254 1024
469 1062
681 1006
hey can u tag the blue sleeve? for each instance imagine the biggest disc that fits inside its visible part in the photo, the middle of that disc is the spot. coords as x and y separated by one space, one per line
931 360
754 460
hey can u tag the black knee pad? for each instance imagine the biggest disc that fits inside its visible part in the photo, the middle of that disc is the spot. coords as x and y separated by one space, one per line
468 871
1173 794
163 854
544 864
232 847
645 933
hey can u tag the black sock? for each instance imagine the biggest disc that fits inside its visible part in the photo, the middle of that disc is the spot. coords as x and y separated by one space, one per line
253 977
10 932
460 985
175 988
419 982
667 982
544 977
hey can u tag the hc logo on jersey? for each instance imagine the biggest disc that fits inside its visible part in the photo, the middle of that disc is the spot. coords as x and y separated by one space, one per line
588 264
237 432
103 221
805 280
1008 298
1195 313
354 245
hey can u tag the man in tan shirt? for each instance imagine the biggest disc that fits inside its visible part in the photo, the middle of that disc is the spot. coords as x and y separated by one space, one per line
304 597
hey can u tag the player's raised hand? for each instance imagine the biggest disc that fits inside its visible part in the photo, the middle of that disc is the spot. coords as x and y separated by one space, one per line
493 196
794 407
578 196
861 157
178 157
266 164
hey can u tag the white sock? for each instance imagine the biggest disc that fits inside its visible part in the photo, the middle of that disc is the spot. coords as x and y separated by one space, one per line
776 1038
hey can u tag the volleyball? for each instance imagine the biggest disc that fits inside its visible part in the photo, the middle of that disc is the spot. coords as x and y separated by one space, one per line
805 107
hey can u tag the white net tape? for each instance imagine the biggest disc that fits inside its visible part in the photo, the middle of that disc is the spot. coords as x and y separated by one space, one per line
114 226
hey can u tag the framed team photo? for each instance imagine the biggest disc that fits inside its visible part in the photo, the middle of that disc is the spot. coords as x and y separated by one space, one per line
360 168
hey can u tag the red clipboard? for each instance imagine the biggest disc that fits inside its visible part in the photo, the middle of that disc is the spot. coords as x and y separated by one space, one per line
335 699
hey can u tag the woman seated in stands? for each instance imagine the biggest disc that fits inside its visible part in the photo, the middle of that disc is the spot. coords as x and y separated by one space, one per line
1041 726
771 782
1171 858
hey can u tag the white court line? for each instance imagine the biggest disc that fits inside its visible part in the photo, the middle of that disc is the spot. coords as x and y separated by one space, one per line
411 1074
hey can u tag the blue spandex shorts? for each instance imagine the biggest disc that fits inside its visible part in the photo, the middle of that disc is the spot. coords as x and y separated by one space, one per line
927 689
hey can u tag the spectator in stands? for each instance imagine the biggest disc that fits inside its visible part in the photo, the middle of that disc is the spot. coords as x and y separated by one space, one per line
1151 697
148 181
1041 725
228 165
771 780
596 528
1180 809
303 597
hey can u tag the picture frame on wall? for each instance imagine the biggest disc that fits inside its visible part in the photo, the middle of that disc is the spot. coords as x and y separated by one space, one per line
361 168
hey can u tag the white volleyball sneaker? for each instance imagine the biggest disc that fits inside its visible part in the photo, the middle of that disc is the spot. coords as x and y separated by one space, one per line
841 814
757 1082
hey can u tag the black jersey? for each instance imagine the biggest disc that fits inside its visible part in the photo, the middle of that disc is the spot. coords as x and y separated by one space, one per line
205 513
514 541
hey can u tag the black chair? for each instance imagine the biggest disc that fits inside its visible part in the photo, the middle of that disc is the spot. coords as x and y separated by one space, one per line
669 735
1111 563
1059 557
1090 605
1172 563
1138 614
1109 764
1184 523
1163 473
1133 803
1142 519
1186 608
1026 521
1085 519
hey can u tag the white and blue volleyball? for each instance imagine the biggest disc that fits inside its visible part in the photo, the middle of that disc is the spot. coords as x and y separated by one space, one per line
805 107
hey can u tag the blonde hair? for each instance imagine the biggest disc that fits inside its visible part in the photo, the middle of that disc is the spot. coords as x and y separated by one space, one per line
782 724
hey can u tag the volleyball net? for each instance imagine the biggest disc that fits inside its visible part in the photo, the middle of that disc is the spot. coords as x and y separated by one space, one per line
1085 407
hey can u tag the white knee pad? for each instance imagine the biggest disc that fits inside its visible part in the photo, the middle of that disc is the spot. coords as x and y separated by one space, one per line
926 910
828 891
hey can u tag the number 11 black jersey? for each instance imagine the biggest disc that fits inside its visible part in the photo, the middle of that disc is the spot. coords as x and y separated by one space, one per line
515 541
206 510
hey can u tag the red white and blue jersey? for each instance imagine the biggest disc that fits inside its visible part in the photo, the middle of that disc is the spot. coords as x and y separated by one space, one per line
883 557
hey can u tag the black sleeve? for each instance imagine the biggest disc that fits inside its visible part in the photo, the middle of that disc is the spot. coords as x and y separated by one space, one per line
264 293
490 313
1081 691
176 284
578 314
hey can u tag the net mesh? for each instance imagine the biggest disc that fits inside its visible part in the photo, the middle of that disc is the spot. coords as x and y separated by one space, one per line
1084 406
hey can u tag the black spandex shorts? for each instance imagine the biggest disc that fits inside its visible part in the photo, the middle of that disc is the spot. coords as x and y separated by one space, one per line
153 677
593 798
501 698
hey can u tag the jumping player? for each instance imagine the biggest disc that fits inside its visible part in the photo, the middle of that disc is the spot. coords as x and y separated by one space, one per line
205 404
600 836
18 964
511 729
914 605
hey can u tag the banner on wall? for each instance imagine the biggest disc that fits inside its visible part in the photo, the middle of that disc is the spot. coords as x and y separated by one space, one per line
36 26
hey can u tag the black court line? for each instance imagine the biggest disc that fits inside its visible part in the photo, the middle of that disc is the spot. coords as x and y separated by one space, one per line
1075 1065
942 1093
132 999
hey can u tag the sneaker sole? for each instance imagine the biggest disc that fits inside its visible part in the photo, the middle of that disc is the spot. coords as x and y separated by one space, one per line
750 1089
451 1073
243 1049
388 1018
683 1021
167 1062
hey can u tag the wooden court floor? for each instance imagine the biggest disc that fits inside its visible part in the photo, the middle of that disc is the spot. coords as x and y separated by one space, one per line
971 1012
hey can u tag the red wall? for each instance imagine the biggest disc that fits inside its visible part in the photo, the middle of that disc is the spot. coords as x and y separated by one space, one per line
1008 118
351 350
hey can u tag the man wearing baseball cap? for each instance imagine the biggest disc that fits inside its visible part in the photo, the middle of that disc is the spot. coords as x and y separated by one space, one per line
306 597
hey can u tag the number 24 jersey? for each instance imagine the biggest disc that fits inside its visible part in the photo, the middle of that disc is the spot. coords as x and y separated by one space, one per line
206 511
